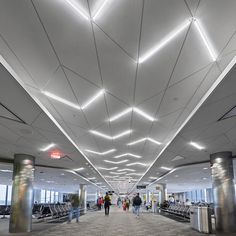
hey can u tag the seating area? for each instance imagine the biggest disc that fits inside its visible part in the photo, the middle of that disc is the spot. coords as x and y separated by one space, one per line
178 210
5 210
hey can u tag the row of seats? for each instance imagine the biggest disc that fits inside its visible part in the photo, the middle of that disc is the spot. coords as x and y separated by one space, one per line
5 210
178 210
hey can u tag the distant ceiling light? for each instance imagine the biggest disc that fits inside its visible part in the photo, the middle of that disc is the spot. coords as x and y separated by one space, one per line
110 137
116 162
115 117
47 147
196 145
164 41
91 178
165 168
126 170
62 174
6 171
176 176
118 173
55 155
204 178
79 169
100 9
94 98
143 114
177 158
205 39
101 153
205 168
50 181
78 10
112 168
136 163
143 139
127 154
62 100
109 176
152 177
136 174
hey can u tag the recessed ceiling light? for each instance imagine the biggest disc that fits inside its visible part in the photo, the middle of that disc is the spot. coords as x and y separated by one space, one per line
196 145
127 154
101 153
205 168
205 39
164 41
176 176
47 147
116 162
79 169
112 168
151 177
110 137
204 178
62 173
91 178
136 163
126 169
177 158
165 168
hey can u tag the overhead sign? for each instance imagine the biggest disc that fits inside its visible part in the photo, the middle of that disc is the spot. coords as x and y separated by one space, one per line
141 186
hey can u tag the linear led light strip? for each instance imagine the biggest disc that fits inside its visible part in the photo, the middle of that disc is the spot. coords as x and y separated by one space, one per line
203 99
110 137
196 145
112 168
130 109
85 15
71 104
101 153
174 34
127 154
136 163
18 79
116 162
126 169
47 147
143 139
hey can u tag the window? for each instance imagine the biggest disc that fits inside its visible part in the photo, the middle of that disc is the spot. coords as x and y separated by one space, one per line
48 196
52 197
56 197
9 195
42 199
3 189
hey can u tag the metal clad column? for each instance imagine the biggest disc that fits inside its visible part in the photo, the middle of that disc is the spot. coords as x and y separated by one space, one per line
83 197
162 191
223 191
22 194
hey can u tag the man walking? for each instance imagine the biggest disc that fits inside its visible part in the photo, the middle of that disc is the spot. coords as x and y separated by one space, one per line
137 203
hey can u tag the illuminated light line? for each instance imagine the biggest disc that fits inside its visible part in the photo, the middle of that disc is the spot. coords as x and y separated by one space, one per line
78 10
110 137
205 39
165 168
126 170
127 154
98 12
101 153
136 110
118 173
136 174
164 41
79 169
196 145
47 147
116 162
112 168
136 163
95 97
143 139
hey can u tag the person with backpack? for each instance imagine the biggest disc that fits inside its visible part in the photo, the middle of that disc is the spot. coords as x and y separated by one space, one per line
107 203
137 203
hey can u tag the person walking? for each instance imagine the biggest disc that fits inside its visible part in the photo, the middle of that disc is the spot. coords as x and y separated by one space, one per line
107 203
137 203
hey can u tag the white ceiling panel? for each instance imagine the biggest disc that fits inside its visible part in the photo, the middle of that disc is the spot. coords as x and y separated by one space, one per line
66 26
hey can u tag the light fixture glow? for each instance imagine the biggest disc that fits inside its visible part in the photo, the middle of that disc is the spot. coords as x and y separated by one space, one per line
6 171
116 162
99 10
95 97
91 178
101 153
127 154
78 10
151 177
136 163
47 147
110 137
143 139
143 114
165 168
112 168
118 173
205 39
136 174
196 145
79 169
117 116
126 170
164 42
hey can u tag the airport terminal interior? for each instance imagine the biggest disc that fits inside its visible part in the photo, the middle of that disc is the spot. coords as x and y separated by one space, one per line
117 117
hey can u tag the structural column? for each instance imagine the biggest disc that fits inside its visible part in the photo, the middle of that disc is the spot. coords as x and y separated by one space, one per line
223 191
162 192
83 197
22 194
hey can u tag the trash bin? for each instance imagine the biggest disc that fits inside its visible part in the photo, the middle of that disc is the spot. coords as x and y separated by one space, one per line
200 219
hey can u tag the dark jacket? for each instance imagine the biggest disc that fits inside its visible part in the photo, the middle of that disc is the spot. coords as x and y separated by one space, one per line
137 201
